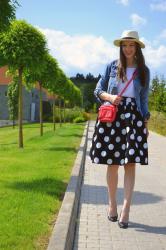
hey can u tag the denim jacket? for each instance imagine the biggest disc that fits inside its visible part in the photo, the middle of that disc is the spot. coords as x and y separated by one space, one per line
108 83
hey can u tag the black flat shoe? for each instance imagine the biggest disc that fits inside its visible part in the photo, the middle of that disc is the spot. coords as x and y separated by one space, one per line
113 218
123 224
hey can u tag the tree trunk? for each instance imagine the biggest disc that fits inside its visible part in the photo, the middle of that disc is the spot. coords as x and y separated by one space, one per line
13 123
60 113
64 118
41 109
54 113
20 111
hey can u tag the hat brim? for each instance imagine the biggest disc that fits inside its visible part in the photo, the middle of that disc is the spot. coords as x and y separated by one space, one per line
118 41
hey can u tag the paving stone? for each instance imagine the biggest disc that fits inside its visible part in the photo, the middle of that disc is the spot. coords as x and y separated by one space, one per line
147 222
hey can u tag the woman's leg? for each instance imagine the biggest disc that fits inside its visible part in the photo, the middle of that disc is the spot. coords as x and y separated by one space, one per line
129 181
112 182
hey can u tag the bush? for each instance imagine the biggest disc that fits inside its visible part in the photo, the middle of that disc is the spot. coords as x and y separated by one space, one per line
70 115
79 119
47 118
86 116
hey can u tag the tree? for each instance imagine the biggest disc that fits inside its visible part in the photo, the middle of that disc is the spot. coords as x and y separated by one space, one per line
22 47
86 85
90 77
46 77
161 97
60 88
80 77
7 13
157 99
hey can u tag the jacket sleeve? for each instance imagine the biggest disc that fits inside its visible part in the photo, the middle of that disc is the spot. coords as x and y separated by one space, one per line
102 84
144 97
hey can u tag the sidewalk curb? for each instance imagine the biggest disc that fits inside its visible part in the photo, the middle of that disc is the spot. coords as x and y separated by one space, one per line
64 229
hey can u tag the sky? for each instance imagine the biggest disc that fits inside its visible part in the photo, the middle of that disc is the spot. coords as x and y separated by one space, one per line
80 33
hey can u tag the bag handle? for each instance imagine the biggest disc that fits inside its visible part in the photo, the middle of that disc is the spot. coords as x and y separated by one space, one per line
127 84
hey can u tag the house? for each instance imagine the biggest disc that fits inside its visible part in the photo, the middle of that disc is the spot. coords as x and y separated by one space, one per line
30 99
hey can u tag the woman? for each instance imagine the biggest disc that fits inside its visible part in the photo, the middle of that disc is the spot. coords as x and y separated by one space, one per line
124 141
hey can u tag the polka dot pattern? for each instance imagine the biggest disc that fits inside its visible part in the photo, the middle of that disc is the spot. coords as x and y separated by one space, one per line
98 145
117 139
106 138
109 161
124 131
101 130
111 147
117 154
117 124
127 129
96 160
132 136
122 162
131 151
122 141
139 123
103 153
139 138
127 115
108 124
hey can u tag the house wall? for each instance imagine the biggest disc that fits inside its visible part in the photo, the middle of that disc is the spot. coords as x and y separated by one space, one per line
4 114
28 99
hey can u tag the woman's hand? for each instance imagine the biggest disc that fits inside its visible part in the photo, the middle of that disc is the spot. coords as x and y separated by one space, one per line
115 99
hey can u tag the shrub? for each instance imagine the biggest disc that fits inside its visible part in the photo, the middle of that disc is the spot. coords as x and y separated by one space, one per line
86 116
79 119
70 115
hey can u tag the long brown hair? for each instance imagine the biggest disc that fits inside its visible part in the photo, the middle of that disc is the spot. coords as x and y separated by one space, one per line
140 61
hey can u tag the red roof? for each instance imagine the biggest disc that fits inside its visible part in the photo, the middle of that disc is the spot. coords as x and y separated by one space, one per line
4 80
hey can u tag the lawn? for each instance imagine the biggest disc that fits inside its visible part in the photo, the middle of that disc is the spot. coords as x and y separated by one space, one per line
33 181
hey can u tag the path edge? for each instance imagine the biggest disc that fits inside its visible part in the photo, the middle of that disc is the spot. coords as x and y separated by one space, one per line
63 233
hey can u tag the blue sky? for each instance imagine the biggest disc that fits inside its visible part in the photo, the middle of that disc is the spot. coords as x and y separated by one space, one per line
80 34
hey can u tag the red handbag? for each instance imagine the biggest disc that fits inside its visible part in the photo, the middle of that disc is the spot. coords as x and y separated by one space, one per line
107 113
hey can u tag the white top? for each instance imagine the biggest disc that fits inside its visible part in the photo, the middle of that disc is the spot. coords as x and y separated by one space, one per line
129 92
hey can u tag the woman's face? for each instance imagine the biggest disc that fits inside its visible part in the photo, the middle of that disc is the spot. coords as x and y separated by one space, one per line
129 49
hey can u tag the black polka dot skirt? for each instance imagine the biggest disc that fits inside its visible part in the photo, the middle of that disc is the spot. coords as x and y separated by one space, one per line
122 141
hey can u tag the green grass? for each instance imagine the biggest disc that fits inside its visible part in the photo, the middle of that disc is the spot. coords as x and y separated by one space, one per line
157 122
33 181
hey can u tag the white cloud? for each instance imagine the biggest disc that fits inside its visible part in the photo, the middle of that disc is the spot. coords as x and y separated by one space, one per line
83 53
124 2
88 53
155 56
158 6
137 20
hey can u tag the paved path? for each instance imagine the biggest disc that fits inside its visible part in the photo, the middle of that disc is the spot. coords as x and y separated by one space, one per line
147 225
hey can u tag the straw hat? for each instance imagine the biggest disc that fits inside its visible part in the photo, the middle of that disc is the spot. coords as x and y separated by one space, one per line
129 35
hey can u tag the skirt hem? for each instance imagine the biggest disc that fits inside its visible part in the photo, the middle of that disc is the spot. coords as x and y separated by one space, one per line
119 164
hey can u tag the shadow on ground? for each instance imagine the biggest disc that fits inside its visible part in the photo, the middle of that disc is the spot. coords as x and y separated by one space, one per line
99 195
143 228
49 186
